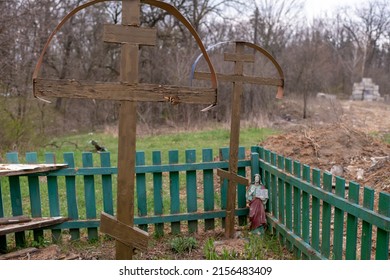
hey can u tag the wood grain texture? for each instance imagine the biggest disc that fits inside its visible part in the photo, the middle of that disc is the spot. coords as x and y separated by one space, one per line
243 57
129 34
124 91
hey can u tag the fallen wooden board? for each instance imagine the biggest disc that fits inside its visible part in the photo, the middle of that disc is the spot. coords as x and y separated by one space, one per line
14 220
21 169
33 224
18 253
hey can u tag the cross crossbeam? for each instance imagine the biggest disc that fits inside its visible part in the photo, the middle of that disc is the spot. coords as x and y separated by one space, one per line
123 91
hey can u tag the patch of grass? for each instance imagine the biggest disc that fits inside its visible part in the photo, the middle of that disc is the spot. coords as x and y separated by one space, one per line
183 244
387 138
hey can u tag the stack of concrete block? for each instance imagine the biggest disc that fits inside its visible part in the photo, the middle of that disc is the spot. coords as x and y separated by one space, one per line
366 90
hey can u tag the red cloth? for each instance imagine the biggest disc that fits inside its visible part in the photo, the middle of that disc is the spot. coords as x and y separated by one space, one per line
256 213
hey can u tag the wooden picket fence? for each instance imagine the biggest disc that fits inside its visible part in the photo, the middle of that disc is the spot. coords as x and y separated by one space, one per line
310 218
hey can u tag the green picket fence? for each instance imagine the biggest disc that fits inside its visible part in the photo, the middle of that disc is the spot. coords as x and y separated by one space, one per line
318 221
171 196
310 217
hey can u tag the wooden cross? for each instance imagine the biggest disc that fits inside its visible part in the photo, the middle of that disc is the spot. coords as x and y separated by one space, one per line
238 79
128 91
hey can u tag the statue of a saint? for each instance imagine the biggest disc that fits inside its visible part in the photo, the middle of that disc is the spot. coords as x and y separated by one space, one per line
257 197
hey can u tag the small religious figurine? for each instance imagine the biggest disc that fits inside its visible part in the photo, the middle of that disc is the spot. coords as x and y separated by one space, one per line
257 197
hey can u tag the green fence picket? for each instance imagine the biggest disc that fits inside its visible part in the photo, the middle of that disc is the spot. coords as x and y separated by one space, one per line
3 238
71 196
306 209
241 189
281 197
368 203
352 223
297 207
192 195
267 181
208 188
255 167
382 239
108 200
16 198
89 195
315 214
289 201
224 156
140 179
274 192
35 196
158 192
338 222
326 217
174 187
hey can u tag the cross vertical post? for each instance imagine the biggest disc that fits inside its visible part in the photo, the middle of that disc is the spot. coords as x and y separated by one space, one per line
127 130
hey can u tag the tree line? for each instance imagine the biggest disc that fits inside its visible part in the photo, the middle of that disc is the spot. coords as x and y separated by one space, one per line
324 54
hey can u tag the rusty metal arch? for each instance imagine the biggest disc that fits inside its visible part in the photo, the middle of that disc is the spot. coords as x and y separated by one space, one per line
162 5
279 94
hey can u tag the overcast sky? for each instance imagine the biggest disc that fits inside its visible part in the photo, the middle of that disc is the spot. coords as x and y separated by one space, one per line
318 7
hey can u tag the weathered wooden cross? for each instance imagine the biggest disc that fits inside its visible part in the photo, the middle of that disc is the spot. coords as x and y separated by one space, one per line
238 79
128 91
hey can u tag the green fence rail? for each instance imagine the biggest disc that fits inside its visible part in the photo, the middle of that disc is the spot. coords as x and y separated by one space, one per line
313 217
316 218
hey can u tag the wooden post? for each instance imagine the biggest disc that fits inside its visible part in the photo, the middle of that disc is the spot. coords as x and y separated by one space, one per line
127 131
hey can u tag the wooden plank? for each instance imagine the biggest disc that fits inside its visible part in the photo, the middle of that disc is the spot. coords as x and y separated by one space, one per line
315 225
338 233
71 196
297 207
141 189
234 143
305 209
191 188
158 193
274 192
241 188
326 217
174 187
35 195
108 202
289 207
14 220
123 91
366 245
352 223
129 34
208 188
281 198
33 224
223 156
243 57
23 169
130 236
89 195
240 78
16 198
267 180
383 236
232 177
255 167
18 253
54 199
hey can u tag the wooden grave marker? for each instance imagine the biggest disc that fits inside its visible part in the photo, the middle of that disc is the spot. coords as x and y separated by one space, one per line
238 79
128 91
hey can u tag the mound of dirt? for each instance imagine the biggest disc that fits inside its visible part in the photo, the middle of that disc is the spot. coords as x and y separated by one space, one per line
355 155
